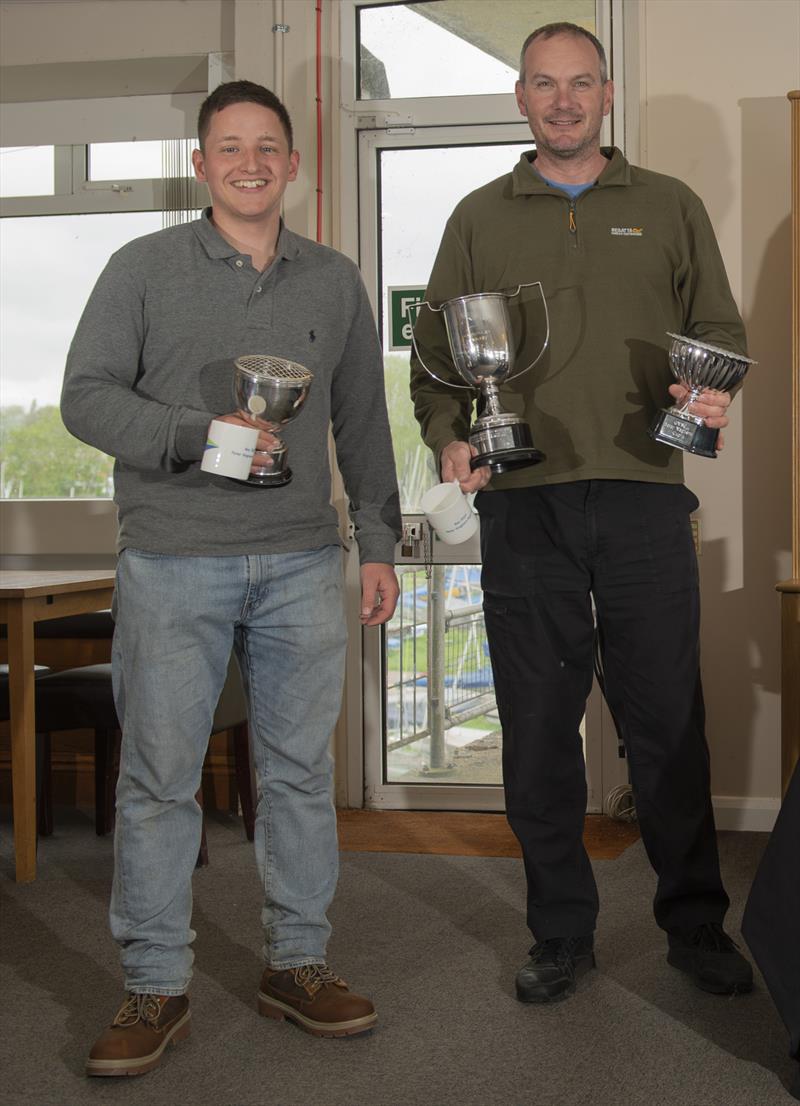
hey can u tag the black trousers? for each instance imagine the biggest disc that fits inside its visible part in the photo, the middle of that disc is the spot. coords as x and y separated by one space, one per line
771 923
546 553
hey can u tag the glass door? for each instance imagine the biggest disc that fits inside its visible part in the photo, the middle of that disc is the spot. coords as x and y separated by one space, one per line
432 734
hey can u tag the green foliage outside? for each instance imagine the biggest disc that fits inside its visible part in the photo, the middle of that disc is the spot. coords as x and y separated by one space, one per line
413 459
39 458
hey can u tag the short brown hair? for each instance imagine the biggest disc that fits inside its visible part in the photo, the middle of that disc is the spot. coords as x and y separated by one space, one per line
550 30
241 92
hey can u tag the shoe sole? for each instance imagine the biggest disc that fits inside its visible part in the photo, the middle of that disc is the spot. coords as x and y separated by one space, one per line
269 1007
685 963
141 1065
583 965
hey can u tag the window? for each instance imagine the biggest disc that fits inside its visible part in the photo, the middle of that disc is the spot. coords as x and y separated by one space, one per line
448 47
66 210
27 171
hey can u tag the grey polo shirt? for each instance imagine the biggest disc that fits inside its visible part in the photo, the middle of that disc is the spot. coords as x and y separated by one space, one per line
151 364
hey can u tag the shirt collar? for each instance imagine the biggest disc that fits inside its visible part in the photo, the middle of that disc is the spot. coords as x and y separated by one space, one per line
525 181
289 244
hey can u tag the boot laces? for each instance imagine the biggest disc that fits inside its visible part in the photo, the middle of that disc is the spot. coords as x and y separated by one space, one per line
313 976
555 949
711 937
144 1008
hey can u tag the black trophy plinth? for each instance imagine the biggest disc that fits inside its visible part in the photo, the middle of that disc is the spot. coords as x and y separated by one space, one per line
504 442
685 433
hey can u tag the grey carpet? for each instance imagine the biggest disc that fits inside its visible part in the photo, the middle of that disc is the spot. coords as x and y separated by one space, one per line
435 940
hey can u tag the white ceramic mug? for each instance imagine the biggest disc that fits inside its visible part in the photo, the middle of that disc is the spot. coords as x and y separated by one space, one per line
449 513
229 449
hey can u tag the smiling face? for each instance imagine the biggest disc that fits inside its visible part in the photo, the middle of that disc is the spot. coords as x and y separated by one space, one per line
246 163
564 98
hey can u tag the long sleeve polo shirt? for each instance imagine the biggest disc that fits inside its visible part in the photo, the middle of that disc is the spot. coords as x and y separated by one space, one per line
151 364
632 258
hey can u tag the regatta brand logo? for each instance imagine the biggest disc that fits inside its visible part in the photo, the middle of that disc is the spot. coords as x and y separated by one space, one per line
627 232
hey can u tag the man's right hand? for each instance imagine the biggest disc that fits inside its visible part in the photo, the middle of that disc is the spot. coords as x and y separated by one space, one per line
266 442
454 462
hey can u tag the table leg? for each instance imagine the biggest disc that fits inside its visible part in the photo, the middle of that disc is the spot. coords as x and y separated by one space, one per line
23 738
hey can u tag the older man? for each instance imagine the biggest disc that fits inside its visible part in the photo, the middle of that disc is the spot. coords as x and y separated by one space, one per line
625 255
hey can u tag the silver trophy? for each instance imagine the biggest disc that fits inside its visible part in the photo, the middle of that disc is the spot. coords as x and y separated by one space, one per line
696 365
270 392
480 337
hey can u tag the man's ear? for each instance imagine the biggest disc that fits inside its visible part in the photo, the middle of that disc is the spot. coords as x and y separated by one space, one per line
199 166
608 96
519 92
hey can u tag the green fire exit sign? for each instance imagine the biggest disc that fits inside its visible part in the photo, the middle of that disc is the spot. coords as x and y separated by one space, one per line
402 315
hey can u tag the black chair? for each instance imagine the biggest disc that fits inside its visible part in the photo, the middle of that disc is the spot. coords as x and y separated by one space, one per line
81 698
76 640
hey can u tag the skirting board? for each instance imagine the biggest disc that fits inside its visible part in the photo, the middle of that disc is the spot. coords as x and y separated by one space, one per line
736 812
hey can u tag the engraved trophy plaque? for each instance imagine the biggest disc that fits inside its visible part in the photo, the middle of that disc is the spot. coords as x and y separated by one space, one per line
696 365
270 392
481 344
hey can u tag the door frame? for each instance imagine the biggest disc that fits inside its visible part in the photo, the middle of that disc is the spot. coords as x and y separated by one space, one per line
364 126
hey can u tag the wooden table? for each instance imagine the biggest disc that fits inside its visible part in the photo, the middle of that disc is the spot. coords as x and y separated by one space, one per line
26 598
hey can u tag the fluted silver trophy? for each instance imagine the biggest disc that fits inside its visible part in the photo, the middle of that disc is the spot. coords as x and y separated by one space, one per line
696 365
483 351
270 392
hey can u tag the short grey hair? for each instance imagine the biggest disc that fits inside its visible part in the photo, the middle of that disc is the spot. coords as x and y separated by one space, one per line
550 30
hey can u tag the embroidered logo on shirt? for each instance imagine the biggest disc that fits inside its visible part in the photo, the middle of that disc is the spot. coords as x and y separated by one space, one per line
628 232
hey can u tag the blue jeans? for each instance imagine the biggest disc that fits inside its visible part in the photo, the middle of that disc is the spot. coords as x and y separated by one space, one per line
177 619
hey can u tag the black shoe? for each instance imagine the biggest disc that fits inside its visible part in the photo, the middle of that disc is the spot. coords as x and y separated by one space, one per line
554 966
711 958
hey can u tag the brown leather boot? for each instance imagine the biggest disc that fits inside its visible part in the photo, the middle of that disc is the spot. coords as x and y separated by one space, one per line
316 999
138 1035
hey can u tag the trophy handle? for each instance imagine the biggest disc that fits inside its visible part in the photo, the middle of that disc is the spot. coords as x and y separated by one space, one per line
533 284
447 383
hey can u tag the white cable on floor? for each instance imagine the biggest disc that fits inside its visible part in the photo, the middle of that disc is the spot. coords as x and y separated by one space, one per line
619 804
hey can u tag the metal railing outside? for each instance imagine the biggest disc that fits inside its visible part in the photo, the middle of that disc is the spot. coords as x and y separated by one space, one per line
438 673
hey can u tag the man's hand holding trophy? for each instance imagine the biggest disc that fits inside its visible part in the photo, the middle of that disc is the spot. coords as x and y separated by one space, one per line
698 367
268 393
482 348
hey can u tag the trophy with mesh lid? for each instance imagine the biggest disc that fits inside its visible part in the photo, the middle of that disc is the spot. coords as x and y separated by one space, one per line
483 351
696 365
270 392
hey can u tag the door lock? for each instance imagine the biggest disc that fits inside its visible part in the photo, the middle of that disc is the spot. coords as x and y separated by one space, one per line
411 540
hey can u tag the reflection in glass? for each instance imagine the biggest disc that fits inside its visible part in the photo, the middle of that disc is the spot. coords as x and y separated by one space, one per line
451 47
27 171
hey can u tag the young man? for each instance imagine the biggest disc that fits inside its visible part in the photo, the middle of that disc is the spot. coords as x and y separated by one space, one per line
208 564
624 255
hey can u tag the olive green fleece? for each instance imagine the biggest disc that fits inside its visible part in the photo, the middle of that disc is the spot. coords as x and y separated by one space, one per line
632 258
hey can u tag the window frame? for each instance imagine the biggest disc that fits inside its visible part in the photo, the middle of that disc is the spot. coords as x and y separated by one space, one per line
75 194
87 526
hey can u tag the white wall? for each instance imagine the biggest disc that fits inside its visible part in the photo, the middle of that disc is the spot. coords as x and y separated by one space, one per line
42 32
713 110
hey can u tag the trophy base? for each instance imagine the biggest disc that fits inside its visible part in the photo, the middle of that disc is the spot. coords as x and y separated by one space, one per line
503 442
684 433
270 479
506 460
